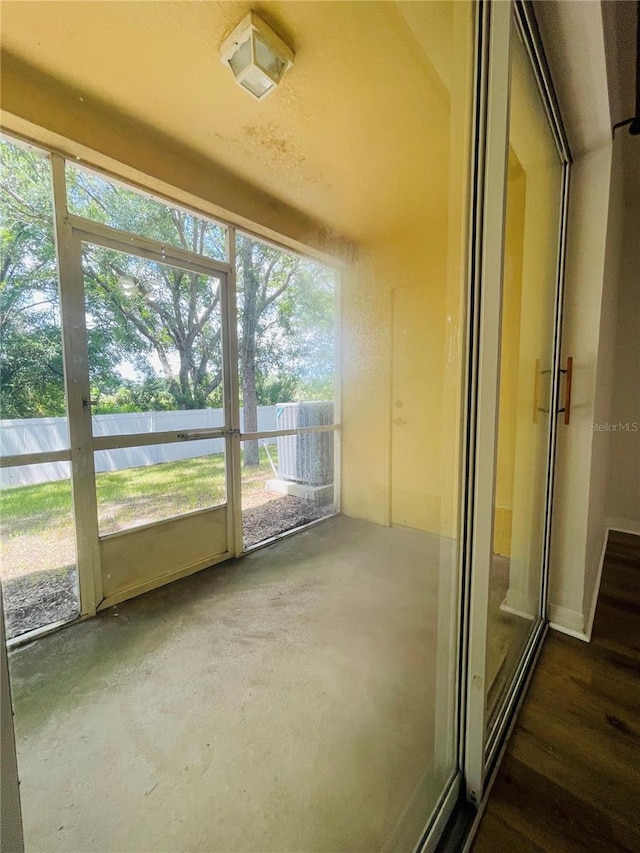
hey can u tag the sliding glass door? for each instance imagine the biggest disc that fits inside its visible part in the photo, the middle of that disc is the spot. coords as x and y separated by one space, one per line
517 403
528 304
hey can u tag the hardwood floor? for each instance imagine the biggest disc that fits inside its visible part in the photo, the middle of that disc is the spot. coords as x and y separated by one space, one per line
570 780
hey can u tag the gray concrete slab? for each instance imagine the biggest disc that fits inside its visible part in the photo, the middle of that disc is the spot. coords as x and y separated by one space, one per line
281 702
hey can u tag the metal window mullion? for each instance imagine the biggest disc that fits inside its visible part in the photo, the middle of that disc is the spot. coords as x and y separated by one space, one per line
133 244
253 436
232 401
337 392
476 185
18 460
144 439
490 233
76 373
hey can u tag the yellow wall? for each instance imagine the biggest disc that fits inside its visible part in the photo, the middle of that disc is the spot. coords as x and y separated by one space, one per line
379 182
403 320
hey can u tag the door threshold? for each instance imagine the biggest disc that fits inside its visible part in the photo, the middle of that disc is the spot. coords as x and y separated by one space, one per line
37 633
287 533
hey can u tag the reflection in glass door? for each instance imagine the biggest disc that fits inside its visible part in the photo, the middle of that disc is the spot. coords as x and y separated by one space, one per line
529 288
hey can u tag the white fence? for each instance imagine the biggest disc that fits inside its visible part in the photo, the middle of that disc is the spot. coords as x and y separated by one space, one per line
42 435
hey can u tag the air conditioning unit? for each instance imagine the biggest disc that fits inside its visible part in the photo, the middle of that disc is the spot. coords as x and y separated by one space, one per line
308 458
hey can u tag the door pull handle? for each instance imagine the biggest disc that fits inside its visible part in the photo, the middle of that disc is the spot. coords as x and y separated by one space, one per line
568 376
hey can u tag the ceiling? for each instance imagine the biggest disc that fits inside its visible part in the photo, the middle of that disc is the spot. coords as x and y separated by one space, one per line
591 48
356 136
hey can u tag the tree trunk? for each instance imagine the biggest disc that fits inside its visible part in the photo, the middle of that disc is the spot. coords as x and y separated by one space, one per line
250 401
248 351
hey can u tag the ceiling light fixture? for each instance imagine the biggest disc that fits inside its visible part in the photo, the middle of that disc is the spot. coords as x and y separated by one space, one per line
256 56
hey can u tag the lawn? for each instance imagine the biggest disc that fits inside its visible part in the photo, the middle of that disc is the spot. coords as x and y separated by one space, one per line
37 545
36 521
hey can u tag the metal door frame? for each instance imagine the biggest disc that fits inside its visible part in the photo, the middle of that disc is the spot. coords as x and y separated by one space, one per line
71 232
480 750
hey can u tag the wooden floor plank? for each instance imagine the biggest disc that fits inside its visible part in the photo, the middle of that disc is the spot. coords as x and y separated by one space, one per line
570 779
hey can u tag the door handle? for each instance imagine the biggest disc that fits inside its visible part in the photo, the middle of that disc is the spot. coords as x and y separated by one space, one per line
568 372
536 391
201 433
568 376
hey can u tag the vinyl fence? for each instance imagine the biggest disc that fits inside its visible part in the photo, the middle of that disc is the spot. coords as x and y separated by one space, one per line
40 435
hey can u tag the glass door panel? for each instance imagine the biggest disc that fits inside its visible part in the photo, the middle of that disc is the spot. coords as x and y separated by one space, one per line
529 290
38 550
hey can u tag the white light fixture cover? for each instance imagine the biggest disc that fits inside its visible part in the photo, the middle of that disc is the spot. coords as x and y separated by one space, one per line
256 56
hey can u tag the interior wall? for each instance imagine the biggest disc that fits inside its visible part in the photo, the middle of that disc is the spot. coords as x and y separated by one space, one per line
585 266
403 313
603 439
623 474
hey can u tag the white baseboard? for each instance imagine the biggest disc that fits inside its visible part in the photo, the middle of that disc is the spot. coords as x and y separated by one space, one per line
519 604
570 621
567 621
578 635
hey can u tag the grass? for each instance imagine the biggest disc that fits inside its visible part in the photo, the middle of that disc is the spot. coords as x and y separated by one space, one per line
37 549
129 497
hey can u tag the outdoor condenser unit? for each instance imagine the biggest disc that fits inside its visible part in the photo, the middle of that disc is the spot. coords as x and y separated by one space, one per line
307 458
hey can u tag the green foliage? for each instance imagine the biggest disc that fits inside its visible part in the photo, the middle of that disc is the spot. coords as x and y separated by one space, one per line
112 204
277 389
290 304
153 331
31 382
152 395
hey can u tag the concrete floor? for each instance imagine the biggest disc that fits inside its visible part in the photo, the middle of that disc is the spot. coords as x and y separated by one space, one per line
282 702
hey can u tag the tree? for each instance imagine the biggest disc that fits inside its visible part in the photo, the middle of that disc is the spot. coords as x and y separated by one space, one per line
163 318
154 330
31 374
153 309
264 274
285 307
